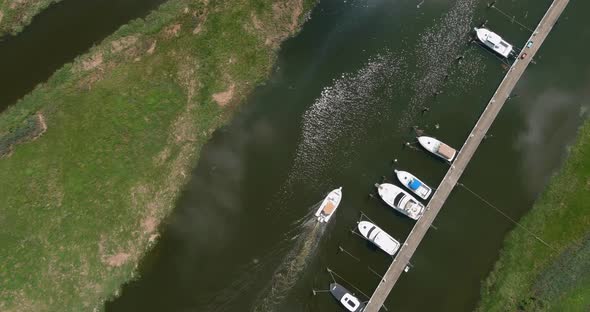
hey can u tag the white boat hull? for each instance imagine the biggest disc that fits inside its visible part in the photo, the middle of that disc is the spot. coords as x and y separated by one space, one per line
329 205
438 148
493 42
380 238
413 184
400 200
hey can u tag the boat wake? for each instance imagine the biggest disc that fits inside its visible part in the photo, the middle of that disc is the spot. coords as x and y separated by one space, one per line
252 272
292 266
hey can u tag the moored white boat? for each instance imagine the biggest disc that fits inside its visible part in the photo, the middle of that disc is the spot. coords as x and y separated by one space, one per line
438 148
346 299
413 184
493 41
329 205
400 200
377 236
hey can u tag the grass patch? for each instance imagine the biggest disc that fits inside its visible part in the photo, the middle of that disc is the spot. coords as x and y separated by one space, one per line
123 126
531 277
16 14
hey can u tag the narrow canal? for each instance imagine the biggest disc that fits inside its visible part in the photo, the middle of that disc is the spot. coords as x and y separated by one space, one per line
56 36
342 101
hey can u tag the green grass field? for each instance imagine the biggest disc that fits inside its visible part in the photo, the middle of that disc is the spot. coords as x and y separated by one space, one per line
16 14
530 276
121 128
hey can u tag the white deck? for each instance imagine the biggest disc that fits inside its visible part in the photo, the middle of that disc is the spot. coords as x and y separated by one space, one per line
377 236
437 147
329 205
407 204
493 41
406 179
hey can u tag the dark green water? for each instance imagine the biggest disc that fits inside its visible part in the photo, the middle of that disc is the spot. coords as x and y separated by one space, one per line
336 112
56 36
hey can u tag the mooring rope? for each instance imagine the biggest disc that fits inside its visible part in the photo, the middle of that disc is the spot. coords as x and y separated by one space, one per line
356 233
365 215
512 18
374 272
332 273
507 216
347 282
348 253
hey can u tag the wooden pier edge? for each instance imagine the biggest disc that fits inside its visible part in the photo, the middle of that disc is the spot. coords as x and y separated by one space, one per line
465 154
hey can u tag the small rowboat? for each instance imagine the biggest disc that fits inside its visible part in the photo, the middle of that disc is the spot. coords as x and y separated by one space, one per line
413 184
329 205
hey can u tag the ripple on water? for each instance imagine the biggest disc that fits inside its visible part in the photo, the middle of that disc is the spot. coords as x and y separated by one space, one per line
337 119
436 51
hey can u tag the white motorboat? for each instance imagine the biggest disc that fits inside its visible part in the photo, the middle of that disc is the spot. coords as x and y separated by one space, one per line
494 42
401 201
413 184
329 205
438 148
377 236
348 300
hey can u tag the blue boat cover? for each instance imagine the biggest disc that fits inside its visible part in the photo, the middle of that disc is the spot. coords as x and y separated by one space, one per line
415 184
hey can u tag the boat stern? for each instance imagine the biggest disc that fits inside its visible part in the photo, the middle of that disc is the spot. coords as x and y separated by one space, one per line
417 211
425 192
394 247
446 152
507 49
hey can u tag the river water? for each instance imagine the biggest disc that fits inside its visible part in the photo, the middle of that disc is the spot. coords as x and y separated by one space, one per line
56 36
336 112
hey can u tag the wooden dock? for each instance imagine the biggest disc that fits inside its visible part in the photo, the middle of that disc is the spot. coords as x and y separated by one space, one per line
465 154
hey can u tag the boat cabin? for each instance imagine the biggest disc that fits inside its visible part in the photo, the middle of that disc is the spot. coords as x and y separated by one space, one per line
411 206
494 42
329 208
414 184
398 199
350 302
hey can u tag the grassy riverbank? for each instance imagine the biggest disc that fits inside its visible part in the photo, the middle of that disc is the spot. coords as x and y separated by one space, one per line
94 158
530 276
16 14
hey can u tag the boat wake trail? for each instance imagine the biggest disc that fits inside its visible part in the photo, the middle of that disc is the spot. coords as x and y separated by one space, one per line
292 267
252 272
